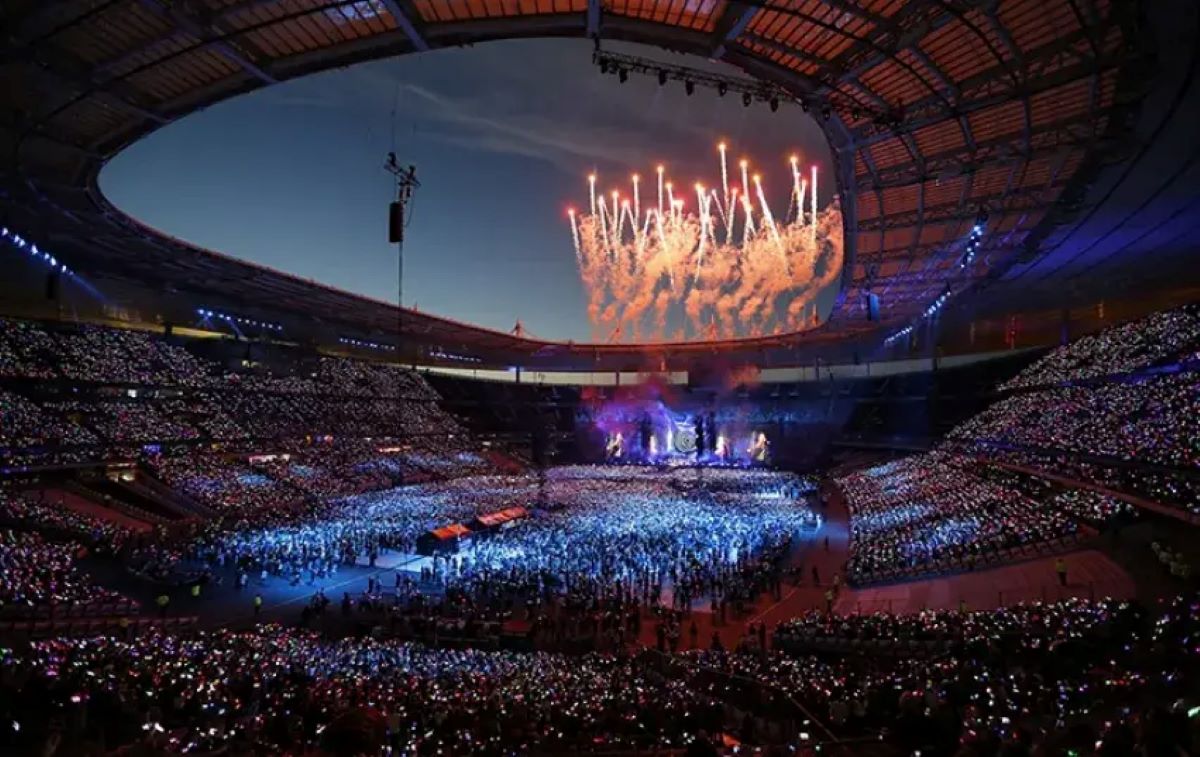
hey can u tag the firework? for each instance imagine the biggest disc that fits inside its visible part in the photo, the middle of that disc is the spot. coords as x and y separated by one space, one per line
814 203
575 236
730 268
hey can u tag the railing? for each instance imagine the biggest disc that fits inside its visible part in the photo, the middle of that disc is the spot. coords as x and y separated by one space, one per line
148 486
125 627
137 513
114 607
809 642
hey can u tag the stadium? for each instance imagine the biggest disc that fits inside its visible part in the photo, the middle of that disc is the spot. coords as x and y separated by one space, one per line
907 465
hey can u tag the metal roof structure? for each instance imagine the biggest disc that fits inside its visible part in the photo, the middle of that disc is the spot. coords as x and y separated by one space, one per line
1015 107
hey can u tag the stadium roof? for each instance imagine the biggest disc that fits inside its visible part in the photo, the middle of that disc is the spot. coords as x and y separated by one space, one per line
941 109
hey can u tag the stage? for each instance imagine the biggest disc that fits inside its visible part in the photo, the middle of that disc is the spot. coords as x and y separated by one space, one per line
650 433
655 423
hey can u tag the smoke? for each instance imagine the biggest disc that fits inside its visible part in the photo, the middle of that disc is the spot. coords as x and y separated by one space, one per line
656 270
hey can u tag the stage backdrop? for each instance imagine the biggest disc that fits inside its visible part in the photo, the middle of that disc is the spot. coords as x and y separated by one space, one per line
643 425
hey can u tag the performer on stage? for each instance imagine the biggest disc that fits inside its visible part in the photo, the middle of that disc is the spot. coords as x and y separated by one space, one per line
615 448
760 449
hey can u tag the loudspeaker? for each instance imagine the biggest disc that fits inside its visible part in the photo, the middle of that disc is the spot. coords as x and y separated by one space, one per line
52 286
872 306
396 223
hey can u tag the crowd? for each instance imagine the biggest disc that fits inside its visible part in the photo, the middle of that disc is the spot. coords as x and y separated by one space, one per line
712 479
1080 416
1105 678
38 572
311 541
929 512
1153 419
288 691
1089 506
1172 488
1024 624
226 486
33 511
1092 506
331 469
1101 678
77 393
23 424
126 421
1084 412
641 539
300 477
1117 350
301 470
101 355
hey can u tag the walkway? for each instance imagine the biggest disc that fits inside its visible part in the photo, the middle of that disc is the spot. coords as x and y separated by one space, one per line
1089 574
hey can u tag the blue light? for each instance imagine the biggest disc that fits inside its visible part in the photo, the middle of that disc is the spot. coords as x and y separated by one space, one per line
205 313
971 246
23 244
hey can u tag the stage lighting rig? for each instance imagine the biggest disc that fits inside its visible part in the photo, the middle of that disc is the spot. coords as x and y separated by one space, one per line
751 90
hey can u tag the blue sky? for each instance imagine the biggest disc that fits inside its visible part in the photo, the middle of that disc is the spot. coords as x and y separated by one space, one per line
503 136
